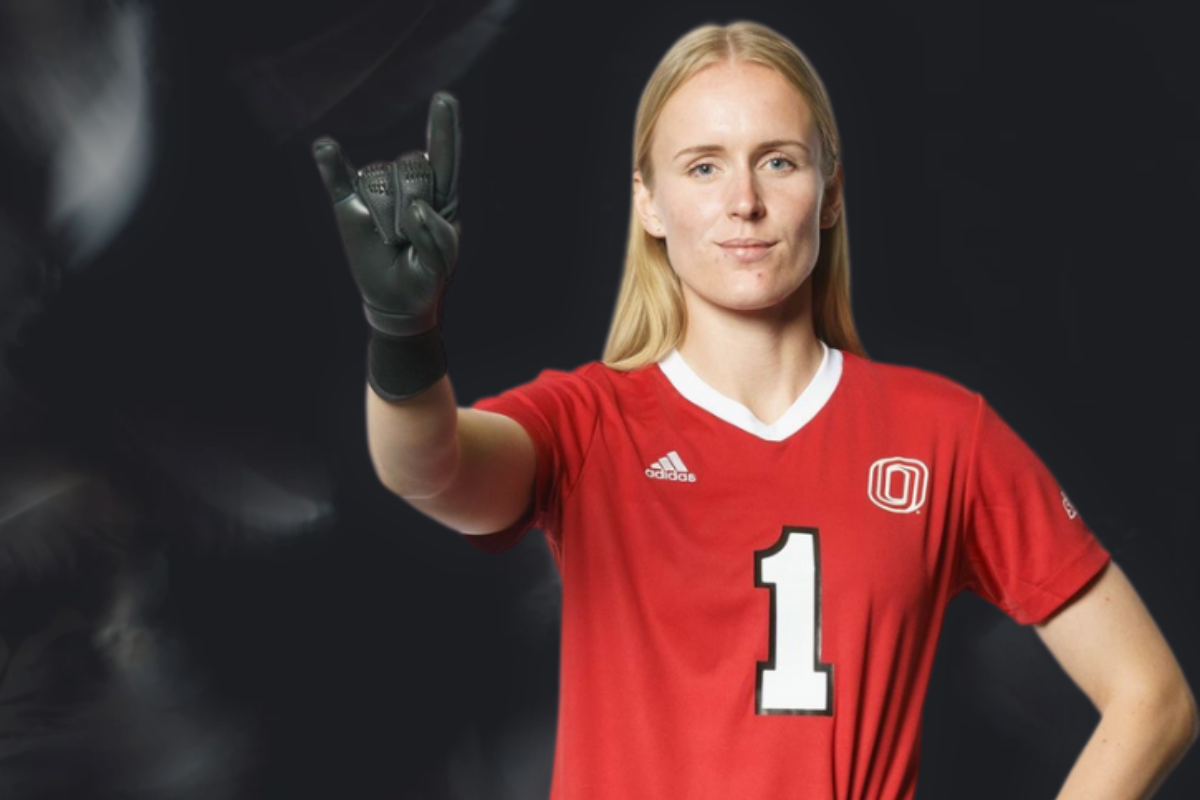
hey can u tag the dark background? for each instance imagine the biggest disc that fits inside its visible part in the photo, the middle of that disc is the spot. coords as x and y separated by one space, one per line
1022 182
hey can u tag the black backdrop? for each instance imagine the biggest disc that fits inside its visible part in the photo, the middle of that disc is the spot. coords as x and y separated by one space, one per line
1021 185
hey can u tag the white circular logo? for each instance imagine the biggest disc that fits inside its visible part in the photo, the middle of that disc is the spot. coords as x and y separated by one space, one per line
898 484
1070 509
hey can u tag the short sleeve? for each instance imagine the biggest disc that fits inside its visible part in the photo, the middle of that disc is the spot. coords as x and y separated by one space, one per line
559 411
1026 549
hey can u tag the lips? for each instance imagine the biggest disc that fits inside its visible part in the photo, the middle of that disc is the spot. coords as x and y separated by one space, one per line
745 243
747 250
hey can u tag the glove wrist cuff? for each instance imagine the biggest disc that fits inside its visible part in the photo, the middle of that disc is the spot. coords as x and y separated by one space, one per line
400 368
399 325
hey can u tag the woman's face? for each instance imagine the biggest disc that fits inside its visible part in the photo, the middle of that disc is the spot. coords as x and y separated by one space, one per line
737 189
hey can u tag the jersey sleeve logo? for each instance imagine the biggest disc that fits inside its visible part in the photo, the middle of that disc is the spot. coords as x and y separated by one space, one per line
1070 509
898 484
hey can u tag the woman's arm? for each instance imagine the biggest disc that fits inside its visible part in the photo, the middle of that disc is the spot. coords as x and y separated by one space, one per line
470 470
398 222
1107 642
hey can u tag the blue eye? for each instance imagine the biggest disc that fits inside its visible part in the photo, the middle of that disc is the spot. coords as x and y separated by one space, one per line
703 170
779 163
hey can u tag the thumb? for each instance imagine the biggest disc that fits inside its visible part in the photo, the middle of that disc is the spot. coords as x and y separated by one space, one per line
434 239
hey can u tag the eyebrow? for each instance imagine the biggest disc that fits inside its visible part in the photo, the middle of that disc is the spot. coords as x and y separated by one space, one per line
774 144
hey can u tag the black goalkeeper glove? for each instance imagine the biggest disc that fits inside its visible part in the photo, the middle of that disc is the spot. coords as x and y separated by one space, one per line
399 226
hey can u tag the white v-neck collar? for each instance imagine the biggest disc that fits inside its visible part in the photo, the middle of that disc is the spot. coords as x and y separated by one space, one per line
806 406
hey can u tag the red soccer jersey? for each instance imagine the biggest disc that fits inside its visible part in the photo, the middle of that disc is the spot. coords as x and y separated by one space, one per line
752 610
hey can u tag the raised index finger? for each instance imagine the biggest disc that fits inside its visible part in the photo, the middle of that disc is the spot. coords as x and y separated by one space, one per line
444 149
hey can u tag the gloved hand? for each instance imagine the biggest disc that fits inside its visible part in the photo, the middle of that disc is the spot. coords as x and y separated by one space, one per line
399 226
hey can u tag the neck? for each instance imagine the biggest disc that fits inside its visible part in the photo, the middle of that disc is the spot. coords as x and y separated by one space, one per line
763 359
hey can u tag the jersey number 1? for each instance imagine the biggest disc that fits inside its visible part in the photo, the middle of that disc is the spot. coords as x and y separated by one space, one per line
793 680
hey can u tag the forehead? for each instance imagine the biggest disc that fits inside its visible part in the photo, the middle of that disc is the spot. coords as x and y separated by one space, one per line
734 102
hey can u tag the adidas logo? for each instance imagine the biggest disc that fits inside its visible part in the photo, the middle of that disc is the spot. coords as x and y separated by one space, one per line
670 468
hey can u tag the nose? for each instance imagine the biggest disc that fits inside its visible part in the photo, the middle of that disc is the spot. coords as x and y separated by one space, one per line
745 198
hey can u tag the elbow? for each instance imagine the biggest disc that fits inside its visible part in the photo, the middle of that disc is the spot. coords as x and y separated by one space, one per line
1177 715
1191 725
1164 708
421 478
388 478
422 487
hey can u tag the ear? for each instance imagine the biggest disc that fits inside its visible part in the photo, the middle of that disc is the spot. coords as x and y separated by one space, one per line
831 202
643 203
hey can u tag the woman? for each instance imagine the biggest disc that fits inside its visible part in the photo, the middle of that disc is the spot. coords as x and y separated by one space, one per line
758 529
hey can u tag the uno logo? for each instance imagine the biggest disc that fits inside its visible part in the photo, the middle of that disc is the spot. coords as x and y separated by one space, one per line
1070 509
898 484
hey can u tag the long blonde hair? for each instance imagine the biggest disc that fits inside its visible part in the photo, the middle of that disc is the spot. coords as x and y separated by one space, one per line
650 317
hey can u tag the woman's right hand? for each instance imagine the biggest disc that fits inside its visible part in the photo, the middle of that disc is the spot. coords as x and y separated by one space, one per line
398 222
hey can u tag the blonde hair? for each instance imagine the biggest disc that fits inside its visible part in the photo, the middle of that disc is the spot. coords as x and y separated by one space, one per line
650 317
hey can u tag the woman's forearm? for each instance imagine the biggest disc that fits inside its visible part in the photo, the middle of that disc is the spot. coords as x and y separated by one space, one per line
1137 743
413 443
470 470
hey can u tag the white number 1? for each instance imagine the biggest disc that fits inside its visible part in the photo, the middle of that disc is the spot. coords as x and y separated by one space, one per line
793 680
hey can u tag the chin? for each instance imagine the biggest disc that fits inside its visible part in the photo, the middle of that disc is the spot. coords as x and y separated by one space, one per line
757 298
746 303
